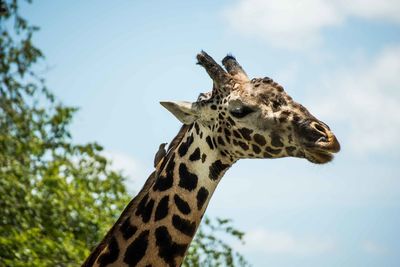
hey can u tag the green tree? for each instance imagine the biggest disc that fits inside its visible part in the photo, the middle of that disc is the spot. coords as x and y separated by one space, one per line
52 192
57 198
209 249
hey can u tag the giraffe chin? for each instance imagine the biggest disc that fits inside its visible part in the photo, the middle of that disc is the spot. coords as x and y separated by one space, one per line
319 156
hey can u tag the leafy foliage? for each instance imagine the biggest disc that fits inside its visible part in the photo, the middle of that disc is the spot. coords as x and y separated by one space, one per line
57 198
52 192
208 249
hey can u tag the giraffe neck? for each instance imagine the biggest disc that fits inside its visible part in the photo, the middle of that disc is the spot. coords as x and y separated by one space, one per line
158 225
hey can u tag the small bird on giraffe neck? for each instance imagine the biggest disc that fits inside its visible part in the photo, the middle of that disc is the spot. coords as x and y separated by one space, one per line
160 154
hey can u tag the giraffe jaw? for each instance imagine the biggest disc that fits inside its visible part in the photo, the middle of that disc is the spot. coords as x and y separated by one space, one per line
319 156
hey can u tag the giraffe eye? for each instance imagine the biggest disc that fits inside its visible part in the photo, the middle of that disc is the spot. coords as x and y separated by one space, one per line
241 112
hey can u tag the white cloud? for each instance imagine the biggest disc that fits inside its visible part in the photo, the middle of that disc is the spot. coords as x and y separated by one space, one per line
281 242
386 10
373 248
130 167
297 24
366 99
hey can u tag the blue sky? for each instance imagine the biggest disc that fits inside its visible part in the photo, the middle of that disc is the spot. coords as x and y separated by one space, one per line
341 59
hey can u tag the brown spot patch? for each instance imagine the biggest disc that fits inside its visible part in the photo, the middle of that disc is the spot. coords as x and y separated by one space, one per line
256 149
259 139
246 133
273 151
276 140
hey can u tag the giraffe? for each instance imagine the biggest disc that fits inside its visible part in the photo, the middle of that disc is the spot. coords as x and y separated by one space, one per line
240 118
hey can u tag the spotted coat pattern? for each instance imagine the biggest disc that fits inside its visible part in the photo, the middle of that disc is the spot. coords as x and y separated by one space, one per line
239 118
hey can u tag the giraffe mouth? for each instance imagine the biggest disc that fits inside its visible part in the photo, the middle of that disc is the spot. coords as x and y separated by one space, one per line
319 156
322 151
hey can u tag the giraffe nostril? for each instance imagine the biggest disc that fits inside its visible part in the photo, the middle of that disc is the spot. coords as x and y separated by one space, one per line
319 128
313 132
314 136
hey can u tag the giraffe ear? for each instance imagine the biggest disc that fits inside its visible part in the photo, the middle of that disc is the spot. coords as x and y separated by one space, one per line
186 112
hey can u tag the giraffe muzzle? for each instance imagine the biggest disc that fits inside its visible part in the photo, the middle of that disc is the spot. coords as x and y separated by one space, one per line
319 141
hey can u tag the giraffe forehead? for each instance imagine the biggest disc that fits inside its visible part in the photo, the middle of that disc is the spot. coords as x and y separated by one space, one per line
259 93
253 93
268 94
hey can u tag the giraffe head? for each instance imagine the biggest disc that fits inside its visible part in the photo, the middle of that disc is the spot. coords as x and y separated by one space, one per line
254 118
